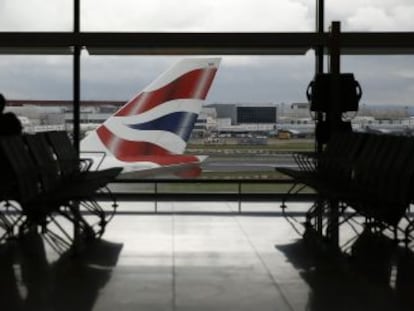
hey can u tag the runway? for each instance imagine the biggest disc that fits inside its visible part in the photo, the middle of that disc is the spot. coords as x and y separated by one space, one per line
234 167
235 164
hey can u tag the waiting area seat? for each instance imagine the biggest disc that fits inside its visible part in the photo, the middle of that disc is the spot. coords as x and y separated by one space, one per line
42 181
369 174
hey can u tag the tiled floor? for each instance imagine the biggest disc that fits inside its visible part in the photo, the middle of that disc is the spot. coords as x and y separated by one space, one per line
185 261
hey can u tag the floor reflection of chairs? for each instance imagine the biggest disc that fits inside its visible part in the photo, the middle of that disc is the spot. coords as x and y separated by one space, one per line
10 296
11 217
30 282
359 283
405 277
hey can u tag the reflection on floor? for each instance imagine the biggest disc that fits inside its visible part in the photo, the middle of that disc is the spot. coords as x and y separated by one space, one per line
177 261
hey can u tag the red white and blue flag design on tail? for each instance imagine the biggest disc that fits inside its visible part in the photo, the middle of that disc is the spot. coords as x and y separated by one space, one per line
155 125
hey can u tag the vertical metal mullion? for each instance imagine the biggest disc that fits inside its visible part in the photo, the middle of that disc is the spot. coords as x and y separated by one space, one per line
319 68
76 111
76 76
76 16
76 97
335 117
320 25
319 58
335 70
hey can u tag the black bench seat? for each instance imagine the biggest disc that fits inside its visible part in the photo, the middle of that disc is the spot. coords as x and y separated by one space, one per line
370 173
43 188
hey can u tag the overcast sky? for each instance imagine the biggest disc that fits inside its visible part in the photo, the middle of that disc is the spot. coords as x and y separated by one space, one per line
385 79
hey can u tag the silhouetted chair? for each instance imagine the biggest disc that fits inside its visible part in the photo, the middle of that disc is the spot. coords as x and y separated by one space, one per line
369 173
71 166
42 191
74 191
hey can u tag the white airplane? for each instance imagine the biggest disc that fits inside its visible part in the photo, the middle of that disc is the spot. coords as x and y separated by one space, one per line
149 134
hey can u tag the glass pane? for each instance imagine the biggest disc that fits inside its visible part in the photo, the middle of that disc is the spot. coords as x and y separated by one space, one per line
385 80
36 15
239 78
371 15
387 104
38 89
238 143
198 15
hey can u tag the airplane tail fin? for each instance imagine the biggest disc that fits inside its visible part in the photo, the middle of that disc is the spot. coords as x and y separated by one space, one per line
159 120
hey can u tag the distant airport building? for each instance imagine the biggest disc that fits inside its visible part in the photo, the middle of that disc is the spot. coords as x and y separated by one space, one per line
228 119
256 115
58 114
238 119
225 111
241 119
294 111
247 113
205 123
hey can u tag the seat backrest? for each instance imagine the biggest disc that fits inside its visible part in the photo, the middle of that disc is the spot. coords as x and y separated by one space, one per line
400 173
365 165
65 152
45 160
20 168
341 151
396 184
384 172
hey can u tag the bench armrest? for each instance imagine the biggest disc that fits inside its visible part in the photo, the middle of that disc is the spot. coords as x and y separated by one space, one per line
306 161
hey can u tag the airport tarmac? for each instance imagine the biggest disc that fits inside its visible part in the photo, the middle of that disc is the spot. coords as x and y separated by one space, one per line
236 166
218 260
254 164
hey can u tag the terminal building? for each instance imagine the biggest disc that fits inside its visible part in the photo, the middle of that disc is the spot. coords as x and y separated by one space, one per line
243 118
40 115
237 118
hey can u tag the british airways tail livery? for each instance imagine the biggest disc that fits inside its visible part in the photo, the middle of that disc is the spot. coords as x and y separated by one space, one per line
148 135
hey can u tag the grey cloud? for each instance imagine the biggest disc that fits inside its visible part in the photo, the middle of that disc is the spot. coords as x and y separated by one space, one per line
36 15
200 15
381 79
277 79
371 15
386 80
204 15
36 77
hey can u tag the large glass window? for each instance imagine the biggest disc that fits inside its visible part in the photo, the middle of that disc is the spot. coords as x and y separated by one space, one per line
38 89
371 15
387 104
36 77
36 15
385 80
238 144
198 15
256 107
239 78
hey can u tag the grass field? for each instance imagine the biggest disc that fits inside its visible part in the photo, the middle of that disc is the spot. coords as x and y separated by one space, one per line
214 187
229 150
244 175
227 188
231 146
